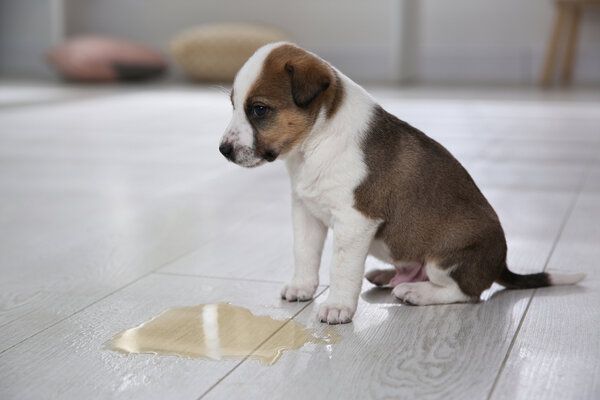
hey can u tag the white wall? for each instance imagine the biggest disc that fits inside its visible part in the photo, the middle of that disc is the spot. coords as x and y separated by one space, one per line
361 37
499 41
27 29
458 41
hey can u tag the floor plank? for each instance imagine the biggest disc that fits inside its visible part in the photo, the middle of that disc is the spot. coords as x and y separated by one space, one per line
88 370
422 352
40 293
99 188
528 175
91 204
392 351
531 220
555 355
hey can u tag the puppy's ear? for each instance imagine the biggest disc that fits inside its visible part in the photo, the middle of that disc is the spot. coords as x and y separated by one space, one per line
309 78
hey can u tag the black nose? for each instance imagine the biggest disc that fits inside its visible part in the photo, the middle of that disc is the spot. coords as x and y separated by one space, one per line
226 149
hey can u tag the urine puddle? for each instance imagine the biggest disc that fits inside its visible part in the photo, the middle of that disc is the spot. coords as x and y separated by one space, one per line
217 331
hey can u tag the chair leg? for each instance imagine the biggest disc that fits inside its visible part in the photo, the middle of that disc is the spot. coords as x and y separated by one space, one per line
574 16
553 45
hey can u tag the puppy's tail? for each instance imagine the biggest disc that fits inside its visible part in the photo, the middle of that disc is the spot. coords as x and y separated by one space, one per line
510 280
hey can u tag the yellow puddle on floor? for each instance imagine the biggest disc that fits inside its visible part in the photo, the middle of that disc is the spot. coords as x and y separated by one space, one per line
217 331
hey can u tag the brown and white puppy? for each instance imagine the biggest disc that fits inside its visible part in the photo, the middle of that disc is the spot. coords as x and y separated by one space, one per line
382 186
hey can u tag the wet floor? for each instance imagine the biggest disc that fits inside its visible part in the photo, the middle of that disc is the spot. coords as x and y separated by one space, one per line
217 331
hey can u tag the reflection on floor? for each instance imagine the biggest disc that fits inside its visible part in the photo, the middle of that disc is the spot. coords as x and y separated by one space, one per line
116 205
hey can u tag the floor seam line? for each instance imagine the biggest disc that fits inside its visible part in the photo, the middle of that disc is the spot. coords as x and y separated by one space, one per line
246 358
153 271
16 319
510 347
96 301
566 219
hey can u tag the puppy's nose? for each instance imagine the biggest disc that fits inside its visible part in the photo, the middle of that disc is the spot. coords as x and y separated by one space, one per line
226 149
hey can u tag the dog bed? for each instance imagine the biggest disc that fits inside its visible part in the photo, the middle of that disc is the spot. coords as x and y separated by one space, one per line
216 52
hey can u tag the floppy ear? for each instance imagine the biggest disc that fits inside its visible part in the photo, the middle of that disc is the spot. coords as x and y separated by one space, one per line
309 78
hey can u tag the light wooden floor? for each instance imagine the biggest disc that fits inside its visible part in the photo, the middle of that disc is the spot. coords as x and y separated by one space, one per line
115 204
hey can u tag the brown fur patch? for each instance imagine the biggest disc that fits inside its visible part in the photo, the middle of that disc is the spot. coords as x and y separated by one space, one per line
295 85
430 206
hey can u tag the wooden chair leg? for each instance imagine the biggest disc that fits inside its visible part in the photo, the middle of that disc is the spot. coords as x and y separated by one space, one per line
553 46
574 16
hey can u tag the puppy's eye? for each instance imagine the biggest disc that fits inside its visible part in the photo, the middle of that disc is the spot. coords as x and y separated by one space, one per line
259 111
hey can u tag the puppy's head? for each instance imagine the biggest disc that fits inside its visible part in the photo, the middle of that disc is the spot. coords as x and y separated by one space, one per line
277 96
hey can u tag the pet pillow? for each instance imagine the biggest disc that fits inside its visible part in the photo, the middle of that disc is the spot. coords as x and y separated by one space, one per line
215 52
102 59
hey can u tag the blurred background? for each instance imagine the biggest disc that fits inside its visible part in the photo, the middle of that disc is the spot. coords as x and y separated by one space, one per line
387 41
116 204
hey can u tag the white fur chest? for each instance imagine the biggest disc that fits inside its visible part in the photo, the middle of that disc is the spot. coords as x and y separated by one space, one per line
329 166
325 181
317 192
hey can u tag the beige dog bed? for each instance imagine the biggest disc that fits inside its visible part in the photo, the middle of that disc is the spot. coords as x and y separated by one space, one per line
217 52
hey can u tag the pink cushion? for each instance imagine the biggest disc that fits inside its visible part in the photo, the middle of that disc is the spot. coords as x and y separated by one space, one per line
102 59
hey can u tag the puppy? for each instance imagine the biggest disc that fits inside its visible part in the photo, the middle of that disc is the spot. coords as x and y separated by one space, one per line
381 185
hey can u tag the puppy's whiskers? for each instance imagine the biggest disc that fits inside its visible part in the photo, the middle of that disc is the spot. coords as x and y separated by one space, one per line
222 89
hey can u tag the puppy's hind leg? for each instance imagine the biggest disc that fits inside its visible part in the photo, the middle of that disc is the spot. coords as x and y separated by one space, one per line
440 289
404 272
380 277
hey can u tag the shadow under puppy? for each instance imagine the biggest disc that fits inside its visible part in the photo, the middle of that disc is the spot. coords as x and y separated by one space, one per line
382 186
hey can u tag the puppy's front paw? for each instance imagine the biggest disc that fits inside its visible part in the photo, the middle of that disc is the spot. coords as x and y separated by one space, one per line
298 291
335 313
